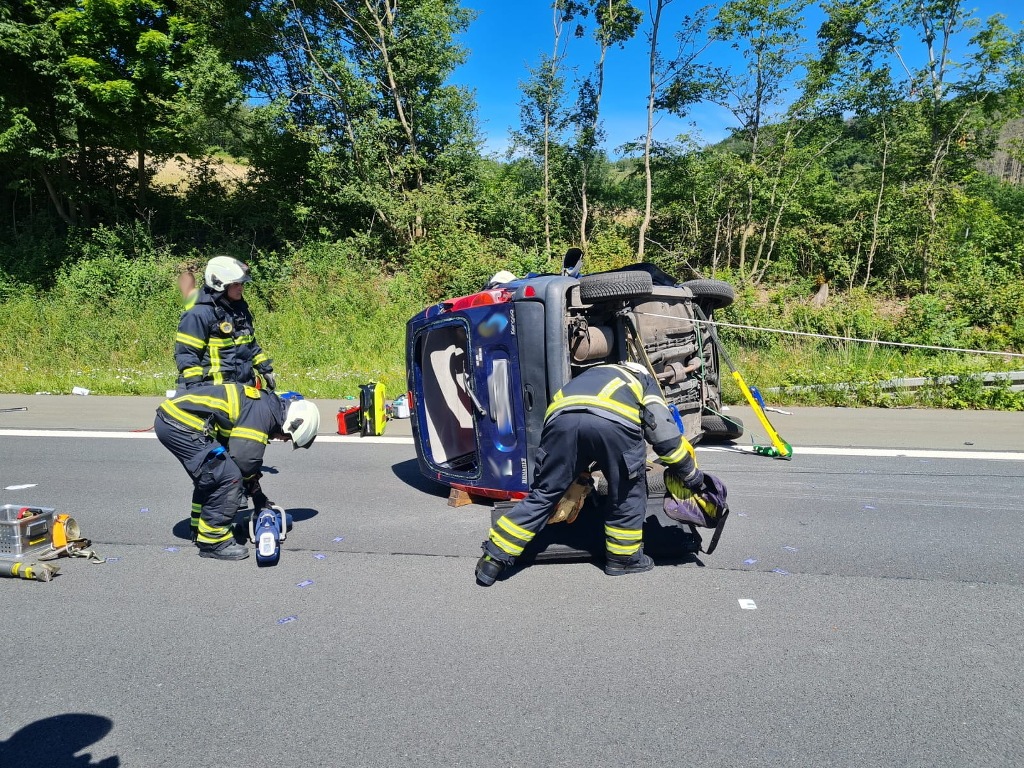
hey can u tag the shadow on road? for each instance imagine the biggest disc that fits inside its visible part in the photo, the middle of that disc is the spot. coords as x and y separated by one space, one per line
664 539
409 473
55 742
182 529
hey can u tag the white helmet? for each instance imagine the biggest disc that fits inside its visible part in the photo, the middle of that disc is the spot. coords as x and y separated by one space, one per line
221 271
636 367
301 421
502 277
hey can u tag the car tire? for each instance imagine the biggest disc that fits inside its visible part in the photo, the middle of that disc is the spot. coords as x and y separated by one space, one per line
655 482
718 428
615 285
711 294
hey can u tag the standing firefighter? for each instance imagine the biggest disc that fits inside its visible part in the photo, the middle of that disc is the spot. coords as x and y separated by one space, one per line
219 434
216 342
601 417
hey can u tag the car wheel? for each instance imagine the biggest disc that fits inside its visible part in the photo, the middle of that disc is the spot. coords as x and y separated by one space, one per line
711 294
615 285
655 481
719 428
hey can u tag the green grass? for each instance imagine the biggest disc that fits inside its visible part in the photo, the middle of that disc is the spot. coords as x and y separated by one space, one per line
332 322
326 336
815 374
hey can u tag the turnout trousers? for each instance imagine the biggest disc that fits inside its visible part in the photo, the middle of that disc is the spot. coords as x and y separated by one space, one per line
569 444
216 479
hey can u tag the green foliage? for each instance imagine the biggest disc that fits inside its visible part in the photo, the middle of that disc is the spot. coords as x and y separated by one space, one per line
456 263
610 248
363 193
114 265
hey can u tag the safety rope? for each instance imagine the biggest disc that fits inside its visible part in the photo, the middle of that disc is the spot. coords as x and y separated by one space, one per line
720 324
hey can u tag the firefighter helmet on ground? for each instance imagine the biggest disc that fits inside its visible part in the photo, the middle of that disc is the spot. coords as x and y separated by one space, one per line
301 421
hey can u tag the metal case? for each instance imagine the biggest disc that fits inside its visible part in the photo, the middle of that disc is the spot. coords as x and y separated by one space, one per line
26 536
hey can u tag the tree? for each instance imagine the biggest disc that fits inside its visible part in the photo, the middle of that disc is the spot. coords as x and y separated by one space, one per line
616 24
675 85
959 107
98 80
38 106
543 115
364 85
767 34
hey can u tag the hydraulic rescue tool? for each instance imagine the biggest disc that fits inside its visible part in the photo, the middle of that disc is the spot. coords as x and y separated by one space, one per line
20 570
779 448
268 524
267 529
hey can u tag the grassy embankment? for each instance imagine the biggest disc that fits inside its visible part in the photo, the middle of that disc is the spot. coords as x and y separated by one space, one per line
330 325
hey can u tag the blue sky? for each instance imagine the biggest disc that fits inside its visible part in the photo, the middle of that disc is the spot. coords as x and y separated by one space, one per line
507 38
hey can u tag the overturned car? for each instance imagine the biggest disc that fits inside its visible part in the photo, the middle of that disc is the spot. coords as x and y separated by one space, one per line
482 368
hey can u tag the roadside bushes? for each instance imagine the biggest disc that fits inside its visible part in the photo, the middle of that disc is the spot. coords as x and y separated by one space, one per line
332 316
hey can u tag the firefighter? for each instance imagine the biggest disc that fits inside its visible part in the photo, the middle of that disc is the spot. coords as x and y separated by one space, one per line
216 342
219 434
605 416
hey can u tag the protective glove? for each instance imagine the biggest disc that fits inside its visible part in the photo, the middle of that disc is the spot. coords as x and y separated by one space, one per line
692 481
270 380
703 507
251 486
569 506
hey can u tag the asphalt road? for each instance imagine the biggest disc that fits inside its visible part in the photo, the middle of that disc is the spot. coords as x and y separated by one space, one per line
885 562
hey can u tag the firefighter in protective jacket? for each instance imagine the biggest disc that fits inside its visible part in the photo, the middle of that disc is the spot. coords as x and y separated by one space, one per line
605 416
219 434
216 341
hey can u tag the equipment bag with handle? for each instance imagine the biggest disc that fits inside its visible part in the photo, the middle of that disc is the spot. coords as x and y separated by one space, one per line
371 408
707 508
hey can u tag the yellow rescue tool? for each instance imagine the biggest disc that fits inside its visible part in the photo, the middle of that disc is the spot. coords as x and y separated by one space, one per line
779 448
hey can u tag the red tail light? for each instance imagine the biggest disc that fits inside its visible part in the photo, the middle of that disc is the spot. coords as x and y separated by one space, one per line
494 296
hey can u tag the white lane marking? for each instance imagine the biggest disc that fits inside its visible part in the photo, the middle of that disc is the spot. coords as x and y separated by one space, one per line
910 453
149 434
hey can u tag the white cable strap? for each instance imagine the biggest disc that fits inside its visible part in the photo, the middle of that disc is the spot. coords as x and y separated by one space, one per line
838 338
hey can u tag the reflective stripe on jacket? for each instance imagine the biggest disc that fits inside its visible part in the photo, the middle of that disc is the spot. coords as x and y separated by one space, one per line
242 416
216 342
617 393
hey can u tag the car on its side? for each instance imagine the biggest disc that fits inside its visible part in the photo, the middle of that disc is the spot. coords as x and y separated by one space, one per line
482 368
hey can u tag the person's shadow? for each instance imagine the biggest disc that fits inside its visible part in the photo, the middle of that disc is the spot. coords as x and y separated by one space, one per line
56 741
183 528
666 540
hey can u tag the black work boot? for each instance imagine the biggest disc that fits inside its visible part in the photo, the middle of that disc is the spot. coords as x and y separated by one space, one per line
488 569
619 565
224 550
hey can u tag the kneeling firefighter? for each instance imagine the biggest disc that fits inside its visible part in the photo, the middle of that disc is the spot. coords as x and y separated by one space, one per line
219 434
605 416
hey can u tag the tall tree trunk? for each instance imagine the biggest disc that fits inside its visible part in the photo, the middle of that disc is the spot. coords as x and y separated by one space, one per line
652 71
141 178
547 187
876 216
55 198
549 108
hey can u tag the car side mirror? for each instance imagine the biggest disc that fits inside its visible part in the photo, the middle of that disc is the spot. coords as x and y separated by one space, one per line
572 262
